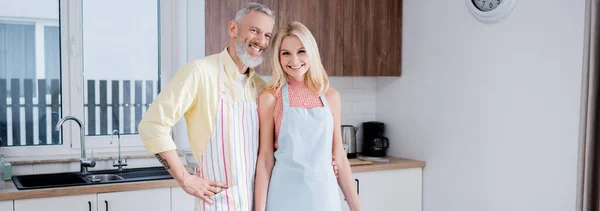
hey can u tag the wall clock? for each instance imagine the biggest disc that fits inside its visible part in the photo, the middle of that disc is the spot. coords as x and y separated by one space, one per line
491 11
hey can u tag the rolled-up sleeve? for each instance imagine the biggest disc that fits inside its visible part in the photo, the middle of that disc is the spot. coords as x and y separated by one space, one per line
174 100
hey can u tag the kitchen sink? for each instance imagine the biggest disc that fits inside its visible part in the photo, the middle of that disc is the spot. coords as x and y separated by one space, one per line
103 177
39 181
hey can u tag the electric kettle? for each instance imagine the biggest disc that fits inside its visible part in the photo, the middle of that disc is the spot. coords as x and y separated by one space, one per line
349 140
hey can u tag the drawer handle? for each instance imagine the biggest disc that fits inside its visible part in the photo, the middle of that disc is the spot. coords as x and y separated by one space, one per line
357 186
90 205
106 202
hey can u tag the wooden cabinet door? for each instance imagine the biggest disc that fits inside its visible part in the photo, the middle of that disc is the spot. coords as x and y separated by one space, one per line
218 15
324 19
355 37
61 203
372 38
146 200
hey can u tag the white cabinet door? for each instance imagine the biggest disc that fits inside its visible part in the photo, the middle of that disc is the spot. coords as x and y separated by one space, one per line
62 203
146 200
6 205
180 200
389 190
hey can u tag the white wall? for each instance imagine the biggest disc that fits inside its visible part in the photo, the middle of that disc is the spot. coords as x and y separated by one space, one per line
492 109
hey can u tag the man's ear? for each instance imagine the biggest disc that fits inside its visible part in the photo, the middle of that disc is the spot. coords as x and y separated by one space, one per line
233 29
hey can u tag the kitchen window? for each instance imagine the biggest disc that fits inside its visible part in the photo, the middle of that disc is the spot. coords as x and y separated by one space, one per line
96 60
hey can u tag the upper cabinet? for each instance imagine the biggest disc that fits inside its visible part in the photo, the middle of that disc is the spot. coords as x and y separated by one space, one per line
372 37
355 37
324 19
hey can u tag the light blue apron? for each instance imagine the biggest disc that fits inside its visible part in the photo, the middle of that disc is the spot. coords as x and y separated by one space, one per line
303 177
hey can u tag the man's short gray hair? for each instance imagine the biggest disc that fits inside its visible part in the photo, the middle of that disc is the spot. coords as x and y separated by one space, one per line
253 6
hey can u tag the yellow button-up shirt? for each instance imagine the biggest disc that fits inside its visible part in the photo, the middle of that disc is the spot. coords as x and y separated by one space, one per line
193 94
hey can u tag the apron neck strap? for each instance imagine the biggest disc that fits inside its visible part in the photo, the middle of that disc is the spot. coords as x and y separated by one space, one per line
285 99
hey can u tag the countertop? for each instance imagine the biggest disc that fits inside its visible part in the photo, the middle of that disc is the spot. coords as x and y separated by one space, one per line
10 192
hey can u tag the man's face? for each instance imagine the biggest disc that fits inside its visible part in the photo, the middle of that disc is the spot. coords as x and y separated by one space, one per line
253 36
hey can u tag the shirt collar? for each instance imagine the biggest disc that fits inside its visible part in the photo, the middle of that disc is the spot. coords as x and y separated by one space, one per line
230 68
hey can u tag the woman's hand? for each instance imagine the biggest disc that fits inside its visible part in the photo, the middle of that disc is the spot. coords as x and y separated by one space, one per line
335 167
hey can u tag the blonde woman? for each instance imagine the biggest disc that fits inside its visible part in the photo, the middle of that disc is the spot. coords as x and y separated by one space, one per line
299 116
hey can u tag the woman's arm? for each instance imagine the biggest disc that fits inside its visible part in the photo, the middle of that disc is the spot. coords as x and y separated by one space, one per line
345 179
265 162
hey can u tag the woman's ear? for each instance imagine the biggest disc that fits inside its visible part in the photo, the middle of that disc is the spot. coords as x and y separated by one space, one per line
233 29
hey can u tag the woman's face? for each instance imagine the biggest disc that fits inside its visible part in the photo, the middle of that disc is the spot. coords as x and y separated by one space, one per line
293 58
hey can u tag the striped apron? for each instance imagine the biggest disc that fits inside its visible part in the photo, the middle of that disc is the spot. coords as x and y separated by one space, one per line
231 154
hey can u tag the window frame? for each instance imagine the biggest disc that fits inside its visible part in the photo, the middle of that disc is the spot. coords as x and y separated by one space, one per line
72 90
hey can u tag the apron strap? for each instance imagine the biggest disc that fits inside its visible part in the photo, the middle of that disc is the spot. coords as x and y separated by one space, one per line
324 100
285 99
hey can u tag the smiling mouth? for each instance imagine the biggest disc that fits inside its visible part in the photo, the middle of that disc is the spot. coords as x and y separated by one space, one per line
256 48
296 67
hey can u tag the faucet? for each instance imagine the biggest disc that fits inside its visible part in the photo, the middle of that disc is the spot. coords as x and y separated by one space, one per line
119 163
84 162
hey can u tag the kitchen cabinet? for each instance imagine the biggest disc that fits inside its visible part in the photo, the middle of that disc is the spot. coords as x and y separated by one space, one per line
389 190
180 200
355 37
148 200
113 201
372 37
324 19
63 203
6 205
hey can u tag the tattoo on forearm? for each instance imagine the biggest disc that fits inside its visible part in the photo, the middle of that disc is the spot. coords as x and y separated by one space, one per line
163 161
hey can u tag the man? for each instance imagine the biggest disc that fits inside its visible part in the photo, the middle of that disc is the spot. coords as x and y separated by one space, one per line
217 95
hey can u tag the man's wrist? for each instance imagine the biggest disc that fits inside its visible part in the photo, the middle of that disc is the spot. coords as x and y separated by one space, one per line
181 176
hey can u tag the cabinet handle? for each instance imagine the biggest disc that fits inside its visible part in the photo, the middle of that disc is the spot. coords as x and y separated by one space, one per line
90 205
357 186
106 202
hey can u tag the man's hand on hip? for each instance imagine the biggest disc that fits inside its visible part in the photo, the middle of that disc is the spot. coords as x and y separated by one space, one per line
198 187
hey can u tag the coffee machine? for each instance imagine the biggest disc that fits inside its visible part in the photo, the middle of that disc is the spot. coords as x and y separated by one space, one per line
374 143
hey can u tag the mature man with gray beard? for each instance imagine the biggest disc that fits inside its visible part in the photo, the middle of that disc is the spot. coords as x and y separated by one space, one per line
217 95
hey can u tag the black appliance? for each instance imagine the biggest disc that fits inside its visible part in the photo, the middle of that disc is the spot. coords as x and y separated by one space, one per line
374 143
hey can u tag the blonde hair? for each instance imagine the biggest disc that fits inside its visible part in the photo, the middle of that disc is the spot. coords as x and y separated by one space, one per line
315 78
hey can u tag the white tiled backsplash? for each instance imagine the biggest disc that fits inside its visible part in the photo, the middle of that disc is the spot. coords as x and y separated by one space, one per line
358 105
358 101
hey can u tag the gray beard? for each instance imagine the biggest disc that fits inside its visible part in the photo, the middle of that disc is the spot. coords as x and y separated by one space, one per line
245 57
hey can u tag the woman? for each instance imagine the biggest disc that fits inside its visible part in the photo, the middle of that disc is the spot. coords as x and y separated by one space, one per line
300 131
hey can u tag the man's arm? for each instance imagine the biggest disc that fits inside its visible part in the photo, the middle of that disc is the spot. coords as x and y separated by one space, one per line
155 130
191 184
